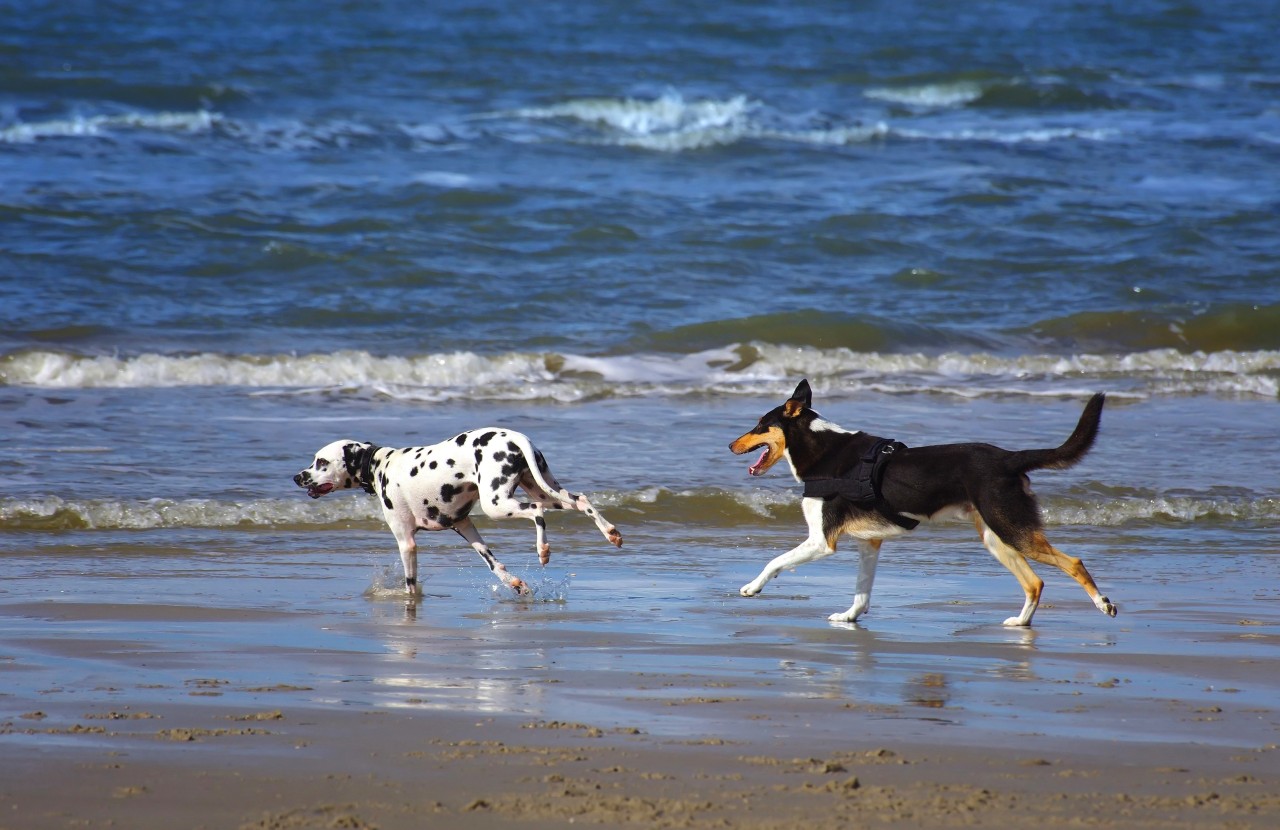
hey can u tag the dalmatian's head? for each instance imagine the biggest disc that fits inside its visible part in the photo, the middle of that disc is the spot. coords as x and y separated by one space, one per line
338 466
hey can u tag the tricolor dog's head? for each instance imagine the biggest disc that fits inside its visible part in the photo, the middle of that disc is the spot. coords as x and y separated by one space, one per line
337 466
770 434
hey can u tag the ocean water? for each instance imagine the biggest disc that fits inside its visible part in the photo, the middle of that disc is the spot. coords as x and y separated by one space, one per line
231 233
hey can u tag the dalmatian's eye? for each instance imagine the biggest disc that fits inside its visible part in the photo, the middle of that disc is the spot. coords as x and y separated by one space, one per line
322 464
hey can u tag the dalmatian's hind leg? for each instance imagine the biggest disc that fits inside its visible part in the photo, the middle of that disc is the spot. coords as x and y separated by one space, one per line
560 497
467 530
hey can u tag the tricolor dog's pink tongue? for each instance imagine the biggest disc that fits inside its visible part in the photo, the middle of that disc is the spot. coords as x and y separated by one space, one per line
754 469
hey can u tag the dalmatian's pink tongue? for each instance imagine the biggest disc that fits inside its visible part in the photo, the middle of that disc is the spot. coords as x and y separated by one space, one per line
754 469
318 490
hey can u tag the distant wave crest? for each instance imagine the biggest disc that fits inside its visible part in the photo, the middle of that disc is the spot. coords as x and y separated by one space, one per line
98 125
747 368
717 507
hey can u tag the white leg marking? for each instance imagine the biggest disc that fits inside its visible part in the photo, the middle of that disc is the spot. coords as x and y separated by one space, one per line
1017 565
869 557
814 547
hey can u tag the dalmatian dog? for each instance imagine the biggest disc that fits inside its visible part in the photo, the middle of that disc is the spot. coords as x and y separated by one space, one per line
436 487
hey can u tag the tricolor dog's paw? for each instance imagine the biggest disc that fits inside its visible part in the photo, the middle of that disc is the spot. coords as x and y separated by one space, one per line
544 554
614 536
1106 606
520 587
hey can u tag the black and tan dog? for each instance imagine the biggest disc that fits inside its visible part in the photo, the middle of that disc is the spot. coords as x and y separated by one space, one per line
874 489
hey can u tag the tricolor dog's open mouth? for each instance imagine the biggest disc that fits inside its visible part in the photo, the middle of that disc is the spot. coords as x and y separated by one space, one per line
756 468
315 491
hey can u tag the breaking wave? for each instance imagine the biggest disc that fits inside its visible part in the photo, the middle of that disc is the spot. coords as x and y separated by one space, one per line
743 369
715 507
669 123
100 125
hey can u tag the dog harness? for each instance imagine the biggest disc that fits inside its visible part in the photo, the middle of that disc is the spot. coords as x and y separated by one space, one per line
861 484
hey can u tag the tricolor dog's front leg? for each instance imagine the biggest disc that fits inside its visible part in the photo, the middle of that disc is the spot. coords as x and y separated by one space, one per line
816 546
869 557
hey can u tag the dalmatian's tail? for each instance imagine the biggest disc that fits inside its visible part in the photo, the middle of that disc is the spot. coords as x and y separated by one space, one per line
542 476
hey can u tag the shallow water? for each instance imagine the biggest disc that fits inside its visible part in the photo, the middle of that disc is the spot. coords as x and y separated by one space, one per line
232 235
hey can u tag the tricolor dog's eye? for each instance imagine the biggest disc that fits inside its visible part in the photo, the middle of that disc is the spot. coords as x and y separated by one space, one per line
322 464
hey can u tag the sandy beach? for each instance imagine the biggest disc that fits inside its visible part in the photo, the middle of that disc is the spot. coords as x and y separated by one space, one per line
210 766
637 691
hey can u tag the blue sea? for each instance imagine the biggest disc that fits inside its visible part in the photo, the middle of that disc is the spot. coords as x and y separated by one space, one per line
231 233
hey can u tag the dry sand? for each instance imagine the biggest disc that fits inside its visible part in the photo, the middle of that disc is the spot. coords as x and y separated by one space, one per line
205 765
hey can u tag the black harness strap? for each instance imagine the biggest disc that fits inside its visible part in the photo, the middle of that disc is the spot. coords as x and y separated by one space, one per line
861 484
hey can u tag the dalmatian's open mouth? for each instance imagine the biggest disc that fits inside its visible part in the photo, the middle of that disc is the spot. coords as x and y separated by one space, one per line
315 491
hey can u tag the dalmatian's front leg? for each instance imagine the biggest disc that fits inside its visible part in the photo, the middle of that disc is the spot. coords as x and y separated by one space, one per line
408 556
467 530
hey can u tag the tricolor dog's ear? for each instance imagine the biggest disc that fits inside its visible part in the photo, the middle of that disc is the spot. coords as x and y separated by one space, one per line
800 400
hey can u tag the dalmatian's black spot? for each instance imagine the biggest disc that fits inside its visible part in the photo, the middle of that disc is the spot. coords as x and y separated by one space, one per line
479 456
451 462
484 439
496 484
386 501
413 471
524 505
459 476
461 439
540 521
434 464
447 492
499 456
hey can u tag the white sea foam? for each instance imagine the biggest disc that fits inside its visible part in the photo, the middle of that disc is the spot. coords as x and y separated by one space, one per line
744 369
98 125
671 123
670 113
1012 135
935 96
56 514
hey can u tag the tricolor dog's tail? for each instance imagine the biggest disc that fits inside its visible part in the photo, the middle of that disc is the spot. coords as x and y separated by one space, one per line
1072 450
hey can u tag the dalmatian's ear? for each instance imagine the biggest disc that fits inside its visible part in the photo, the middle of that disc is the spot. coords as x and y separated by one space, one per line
357 458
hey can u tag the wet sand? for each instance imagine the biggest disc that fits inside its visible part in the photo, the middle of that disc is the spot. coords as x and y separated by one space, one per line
262 689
